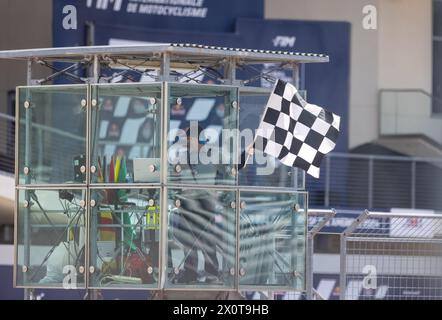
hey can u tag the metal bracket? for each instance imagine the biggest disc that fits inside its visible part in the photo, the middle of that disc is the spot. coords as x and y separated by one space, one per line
328 215
230 66
355 224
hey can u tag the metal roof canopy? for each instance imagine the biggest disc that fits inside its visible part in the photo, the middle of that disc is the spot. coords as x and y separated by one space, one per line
178 52
162 57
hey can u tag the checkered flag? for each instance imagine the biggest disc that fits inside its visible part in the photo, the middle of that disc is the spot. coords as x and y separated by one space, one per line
299 134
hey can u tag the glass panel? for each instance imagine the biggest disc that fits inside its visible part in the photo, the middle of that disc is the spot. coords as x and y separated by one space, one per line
209 115
261 169
272 239
50 238
124 229
126 133
52 136
201 238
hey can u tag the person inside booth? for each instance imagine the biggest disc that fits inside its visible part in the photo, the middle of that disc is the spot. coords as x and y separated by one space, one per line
198 226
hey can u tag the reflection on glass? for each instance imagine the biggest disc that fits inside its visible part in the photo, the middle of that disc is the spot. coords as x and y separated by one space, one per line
126 140
201 238
50 238
202 138
261 169
124 233
272 239
52 131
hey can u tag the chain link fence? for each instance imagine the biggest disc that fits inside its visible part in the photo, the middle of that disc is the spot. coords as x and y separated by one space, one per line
394 256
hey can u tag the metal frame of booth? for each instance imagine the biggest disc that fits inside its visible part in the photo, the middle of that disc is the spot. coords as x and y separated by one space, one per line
166 59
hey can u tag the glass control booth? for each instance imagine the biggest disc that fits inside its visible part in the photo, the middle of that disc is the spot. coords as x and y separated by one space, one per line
156 185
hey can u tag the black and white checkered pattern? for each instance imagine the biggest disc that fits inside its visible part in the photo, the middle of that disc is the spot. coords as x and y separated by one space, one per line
299 134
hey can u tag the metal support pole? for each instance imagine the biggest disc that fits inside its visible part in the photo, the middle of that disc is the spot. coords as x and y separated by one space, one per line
295 75
237 239
163 256
96 70
343 252
296 81
230 71
91 213
343 267
165 67
370 182
28 293
294 237
309 267
230 78
309 245
302 78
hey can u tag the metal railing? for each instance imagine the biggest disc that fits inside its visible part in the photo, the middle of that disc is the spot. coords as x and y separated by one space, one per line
400 257
46 139
376 181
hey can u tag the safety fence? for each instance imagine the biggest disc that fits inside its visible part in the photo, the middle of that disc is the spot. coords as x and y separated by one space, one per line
381 256
377 182
394 255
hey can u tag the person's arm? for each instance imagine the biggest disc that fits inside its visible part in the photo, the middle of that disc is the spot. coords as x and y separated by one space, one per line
245 156
242 161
